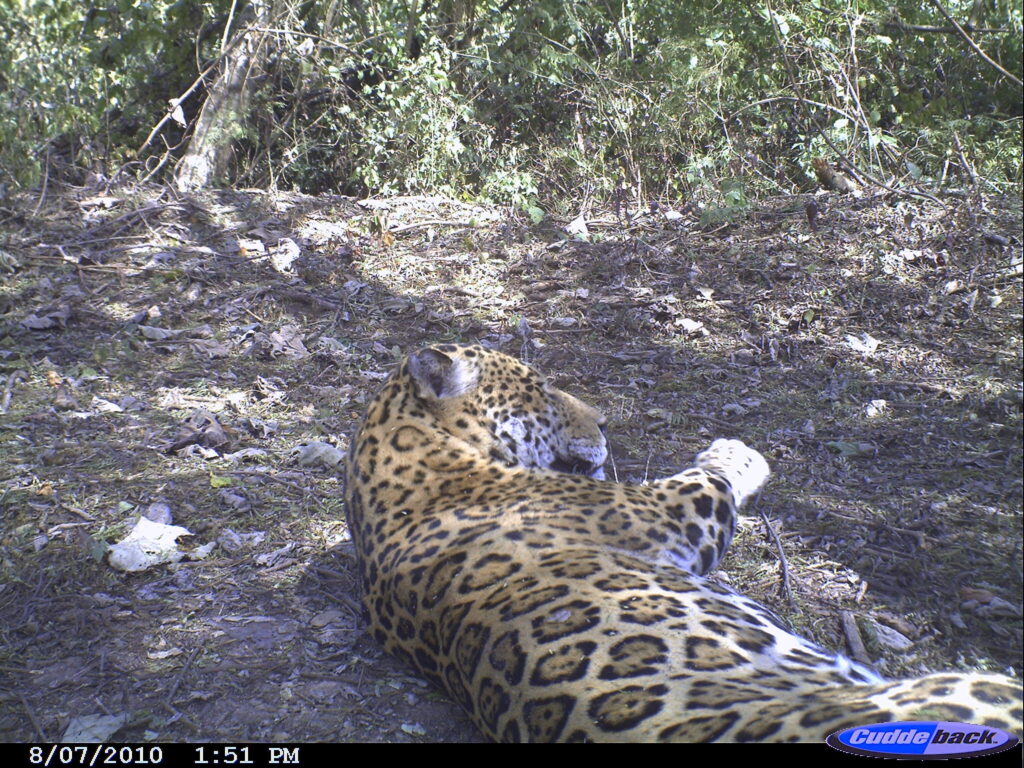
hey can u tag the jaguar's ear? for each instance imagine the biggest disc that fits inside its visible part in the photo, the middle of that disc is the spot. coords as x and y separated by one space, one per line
439 376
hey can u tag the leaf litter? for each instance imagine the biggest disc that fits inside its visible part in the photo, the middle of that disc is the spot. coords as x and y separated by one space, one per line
225 347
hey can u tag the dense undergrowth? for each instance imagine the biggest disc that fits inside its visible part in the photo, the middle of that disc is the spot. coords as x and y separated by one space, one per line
551 104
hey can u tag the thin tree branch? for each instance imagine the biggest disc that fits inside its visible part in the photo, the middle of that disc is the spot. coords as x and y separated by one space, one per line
224 38
974 45
927 29
195 84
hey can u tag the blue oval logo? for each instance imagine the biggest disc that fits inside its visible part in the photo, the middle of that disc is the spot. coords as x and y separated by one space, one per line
924 739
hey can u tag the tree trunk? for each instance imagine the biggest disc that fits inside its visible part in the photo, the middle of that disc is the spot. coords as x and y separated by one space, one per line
222 117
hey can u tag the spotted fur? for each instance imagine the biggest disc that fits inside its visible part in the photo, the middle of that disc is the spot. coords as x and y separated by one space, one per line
557 606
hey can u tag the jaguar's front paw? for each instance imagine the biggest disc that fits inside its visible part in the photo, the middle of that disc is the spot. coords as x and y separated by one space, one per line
744 468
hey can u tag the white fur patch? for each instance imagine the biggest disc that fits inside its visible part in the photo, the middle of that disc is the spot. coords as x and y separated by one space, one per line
744 468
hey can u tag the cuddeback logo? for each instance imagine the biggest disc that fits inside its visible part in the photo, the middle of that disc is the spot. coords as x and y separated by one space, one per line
922 740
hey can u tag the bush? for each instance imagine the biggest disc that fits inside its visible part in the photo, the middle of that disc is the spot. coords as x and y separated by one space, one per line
525 102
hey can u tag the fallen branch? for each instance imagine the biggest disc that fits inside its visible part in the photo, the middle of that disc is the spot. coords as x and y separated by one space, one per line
431 223
307 298
44 258
80 512
8 386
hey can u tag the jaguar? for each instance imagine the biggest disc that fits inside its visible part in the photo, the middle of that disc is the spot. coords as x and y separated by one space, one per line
553 604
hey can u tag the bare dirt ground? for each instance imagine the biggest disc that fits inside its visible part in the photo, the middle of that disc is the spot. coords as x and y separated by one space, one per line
199 359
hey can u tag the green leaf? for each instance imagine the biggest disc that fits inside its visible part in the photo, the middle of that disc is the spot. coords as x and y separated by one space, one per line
96 548
851 450
536 214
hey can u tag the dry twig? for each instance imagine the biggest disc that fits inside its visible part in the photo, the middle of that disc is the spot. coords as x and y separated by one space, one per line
32 718
853 638
177 680
784 588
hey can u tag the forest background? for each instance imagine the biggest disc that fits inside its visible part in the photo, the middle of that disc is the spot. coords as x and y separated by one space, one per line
532 104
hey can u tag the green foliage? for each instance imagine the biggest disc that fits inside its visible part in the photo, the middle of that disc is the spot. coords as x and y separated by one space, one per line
733 203
529 103
79 84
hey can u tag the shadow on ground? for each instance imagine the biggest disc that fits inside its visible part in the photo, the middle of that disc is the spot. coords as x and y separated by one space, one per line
174 354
